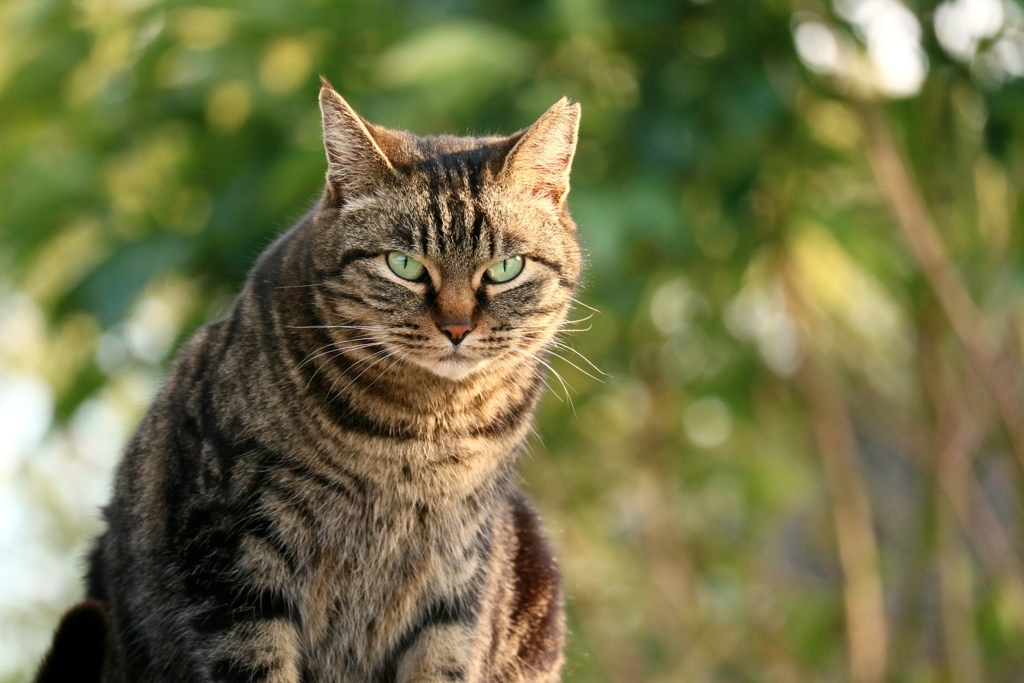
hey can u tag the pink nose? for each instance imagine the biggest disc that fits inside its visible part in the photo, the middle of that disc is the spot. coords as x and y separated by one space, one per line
455 330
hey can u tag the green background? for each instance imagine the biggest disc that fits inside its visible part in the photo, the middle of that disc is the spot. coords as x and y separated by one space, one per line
793 470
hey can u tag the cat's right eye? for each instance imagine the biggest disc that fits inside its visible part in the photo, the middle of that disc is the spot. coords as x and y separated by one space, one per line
405 266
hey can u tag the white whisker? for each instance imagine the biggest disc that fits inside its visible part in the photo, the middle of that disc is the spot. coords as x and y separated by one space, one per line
565 386
577 301
400 357
335 346
388 353
334 353
562 345
556 324
338 327
566 360
504 364
317 284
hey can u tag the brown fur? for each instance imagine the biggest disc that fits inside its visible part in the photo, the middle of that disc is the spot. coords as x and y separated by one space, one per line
323 490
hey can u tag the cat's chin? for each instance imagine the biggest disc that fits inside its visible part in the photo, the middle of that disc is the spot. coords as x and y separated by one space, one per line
453 367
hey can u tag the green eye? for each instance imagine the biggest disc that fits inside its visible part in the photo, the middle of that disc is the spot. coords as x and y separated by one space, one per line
505 270
405 266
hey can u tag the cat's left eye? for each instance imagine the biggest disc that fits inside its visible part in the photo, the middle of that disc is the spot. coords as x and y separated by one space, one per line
405 266
505 270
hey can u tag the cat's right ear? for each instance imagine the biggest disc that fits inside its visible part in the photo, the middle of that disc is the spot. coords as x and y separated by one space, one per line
356 165
542 156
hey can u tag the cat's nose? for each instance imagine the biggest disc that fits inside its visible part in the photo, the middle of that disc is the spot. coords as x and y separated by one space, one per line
456 330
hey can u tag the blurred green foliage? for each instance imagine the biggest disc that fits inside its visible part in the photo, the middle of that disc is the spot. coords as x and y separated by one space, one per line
756 300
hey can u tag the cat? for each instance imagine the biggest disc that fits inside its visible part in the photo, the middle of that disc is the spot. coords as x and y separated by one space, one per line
325 487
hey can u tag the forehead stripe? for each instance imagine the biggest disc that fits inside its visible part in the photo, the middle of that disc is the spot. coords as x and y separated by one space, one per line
457 217
404 231
474 180
478 227
453 187
434 203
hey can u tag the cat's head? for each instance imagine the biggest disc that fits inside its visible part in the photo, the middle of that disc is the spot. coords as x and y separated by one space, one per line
456 254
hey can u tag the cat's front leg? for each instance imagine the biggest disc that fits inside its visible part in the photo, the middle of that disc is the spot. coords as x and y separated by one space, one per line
241 607
441 653
251 651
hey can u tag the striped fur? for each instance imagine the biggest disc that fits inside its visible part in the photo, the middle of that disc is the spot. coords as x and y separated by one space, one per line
324 488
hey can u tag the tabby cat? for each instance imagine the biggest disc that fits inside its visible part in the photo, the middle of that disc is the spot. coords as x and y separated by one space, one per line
325 487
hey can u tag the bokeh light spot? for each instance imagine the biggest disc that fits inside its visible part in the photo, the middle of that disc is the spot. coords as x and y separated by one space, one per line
707 422
228 106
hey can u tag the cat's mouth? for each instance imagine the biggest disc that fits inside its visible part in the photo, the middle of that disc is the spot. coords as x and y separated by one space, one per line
454 364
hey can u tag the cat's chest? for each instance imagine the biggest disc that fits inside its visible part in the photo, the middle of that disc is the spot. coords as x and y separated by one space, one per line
373 577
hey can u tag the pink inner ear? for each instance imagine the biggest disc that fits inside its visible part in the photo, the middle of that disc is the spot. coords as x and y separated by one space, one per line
355 162
334 159
542 170
552 183
542 157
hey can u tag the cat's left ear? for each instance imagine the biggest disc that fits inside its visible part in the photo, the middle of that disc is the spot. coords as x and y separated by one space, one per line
540 161
356 164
